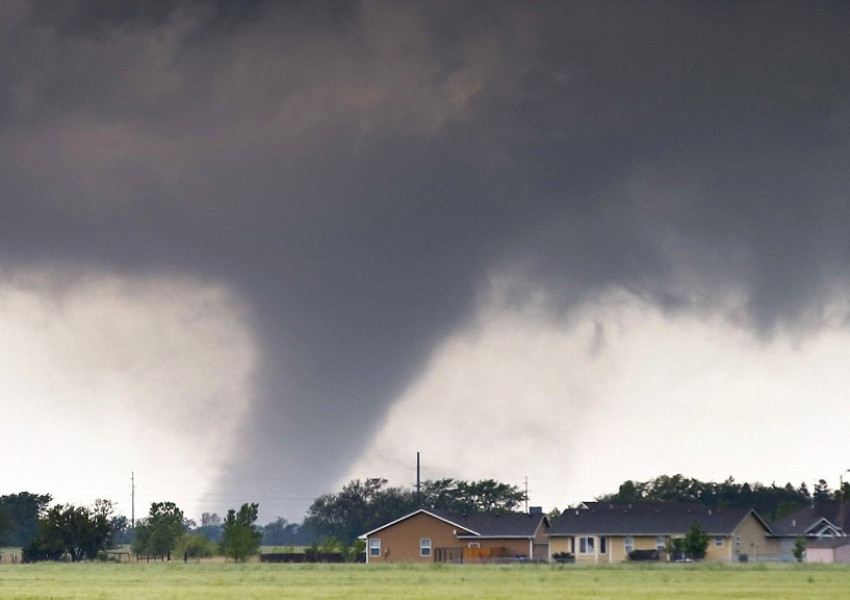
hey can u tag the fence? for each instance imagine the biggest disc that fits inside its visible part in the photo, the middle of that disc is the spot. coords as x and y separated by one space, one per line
459 554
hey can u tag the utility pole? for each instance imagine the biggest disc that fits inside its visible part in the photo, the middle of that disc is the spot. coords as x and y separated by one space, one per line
132 500
418 482
526 494
841 502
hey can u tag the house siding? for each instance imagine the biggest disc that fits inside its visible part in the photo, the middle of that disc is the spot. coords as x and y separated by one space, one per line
820 555
835 554
540 545
591 557
641 542
786 548
842 554
559 544
724 552
615 547
400 542
754 541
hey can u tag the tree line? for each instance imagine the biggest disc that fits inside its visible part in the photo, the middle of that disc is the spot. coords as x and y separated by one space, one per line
770 501
77 533
335 520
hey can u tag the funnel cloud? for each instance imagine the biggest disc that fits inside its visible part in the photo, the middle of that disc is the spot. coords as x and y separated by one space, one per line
356 179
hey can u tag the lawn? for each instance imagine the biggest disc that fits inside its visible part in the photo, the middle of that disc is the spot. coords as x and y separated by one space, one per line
261 581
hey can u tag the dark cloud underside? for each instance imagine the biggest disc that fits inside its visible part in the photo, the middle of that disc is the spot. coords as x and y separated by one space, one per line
357 170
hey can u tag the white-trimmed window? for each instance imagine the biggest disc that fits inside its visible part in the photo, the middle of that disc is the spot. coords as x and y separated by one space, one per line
629 544
425 547
718 541
474 544
586 545
660 543
375 547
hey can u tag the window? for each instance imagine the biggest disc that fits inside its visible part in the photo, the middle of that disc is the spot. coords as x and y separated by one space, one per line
474 545
718 541
629 544
603 545
425 547
660 543
586 545
375 547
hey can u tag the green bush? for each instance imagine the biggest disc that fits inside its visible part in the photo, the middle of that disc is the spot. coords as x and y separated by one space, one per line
194 545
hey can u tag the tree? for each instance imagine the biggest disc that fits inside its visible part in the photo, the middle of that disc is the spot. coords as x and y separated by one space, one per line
5 524
696 542
240 538
822 491
158 534
281 532
122 531
799 549
364 505
676 549
195 545
210 526
357 508
77 532
487 495
23 511
770 501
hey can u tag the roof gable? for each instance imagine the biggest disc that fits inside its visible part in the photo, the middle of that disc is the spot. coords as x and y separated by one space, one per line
807 521
823 528
413 514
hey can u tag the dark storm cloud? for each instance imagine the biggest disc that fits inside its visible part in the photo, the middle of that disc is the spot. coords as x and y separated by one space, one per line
357 170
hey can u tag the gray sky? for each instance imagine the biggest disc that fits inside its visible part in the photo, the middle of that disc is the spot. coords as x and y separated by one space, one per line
265 246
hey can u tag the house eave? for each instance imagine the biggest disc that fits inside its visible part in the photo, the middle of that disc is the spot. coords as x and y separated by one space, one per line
636 533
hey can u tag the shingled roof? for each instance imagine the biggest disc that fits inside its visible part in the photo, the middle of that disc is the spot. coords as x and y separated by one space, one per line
810 520
481 525
656 518
494 525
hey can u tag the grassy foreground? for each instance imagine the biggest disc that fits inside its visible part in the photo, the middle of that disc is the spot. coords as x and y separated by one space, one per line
256 581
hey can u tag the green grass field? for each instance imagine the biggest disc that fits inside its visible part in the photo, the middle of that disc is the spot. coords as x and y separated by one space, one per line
259 581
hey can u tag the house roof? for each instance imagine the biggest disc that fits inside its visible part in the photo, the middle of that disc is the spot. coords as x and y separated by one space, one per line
495 525
481 525
809 520
645 518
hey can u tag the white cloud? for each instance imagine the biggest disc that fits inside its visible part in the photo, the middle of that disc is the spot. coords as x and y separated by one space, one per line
109 375
618 390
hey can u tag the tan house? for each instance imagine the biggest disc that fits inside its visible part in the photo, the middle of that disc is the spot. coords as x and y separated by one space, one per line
443 536
606 532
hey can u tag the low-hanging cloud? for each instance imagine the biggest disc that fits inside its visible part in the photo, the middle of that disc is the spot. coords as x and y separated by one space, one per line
356 173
